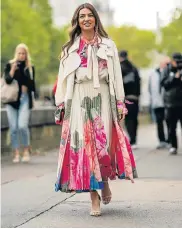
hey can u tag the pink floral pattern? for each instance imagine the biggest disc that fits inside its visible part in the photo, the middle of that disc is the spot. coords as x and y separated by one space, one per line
59 114
82 51
83 168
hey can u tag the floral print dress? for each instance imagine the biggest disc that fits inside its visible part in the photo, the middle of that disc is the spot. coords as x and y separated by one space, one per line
93 148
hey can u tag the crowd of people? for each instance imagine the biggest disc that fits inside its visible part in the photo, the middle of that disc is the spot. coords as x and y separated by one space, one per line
95 91
165 88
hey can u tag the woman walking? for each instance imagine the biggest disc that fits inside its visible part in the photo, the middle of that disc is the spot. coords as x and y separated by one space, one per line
21 70
90 94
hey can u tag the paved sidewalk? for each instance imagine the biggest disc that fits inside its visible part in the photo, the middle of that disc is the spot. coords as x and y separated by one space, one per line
155 200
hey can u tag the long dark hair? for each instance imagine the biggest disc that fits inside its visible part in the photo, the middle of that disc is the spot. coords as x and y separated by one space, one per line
76 30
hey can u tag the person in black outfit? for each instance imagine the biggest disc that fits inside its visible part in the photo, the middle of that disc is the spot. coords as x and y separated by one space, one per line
131 81
172 82
18 112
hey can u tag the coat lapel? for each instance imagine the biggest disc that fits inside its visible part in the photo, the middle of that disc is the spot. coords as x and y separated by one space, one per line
73 61
105 49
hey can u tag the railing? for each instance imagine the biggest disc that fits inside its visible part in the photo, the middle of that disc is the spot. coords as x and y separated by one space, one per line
39 117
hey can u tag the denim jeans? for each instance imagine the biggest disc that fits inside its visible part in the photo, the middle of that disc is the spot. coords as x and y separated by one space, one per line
18 122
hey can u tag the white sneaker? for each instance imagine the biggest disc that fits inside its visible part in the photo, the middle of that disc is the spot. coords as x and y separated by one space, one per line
26 157
16 159
162 145
173 151
134 147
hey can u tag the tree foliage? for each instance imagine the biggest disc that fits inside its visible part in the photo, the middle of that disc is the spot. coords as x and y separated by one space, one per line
30 22
137 42
172 34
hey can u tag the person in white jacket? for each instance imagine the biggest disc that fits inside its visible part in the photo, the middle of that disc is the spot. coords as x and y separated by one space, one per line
157 103
90 107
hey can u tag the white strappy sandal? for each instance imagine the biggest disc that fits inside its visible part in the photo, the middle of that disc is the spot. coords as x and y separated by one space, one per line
106 199
96 212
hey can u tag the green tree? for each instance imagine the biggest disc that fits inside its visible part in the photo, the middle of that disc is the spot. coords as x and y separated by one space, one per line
138 42
30 22
58 38
25 27
42 8
172 34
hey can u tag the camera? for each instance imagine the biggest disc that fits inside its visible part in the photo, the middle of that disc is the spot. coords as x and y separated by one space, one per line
177 57
179 67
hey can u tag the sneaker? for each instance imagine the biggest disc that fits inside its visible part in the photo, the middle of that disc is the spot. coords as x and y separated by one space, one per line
173 151
26 157
162 145
134 147
16 159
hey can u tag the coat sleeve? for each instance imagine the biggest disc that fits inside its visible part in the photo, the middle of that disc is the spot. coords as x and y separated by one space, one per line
118 84
64 90
7 76
149 84
138 82
155 85
61 86
31 82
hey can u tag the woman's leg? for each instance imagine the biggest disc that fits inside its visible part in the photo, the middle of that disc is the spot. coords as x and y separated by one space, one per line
95 198
106 192
12 114
23 122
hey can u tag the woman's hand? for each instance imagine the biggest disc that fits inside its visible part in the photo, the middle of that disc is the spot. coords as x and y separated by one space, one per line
123 117
59 114
122 110
14 67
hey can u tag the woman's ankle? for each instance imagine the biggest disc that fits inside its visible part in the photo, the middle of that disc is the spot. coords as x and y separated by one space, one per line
26 151
16 152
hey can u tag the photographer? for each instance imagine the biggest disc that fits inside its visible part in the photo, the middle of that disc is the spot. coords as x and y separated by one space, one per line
172 82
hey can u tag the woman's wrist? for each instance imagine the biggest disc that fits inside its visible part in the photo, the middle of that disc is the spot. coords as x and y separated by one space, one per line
11 73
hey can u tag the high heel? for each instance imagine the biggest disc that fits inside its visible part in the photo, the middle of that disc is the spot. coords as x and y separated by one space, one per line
96 212
106 199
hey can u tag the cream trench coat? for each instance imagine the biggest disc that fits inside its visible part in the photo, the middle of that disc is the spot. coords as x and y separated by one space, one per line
64 93
107 51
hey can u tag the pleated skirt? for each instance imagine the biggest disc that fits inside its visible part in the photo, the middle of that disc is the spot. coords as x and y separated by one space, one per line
90 149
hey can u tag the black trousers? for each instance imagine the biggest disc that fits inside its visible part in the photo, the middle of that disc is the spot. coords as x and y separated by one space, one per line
131 121
160 121
173 115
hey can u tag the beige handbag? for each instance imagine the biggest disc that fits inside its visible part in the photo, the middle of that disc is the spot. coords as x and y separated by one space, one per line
9 92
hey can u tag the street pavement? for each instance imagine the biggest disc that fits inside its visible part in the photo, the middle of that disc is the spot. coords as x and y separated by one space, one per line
155 200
